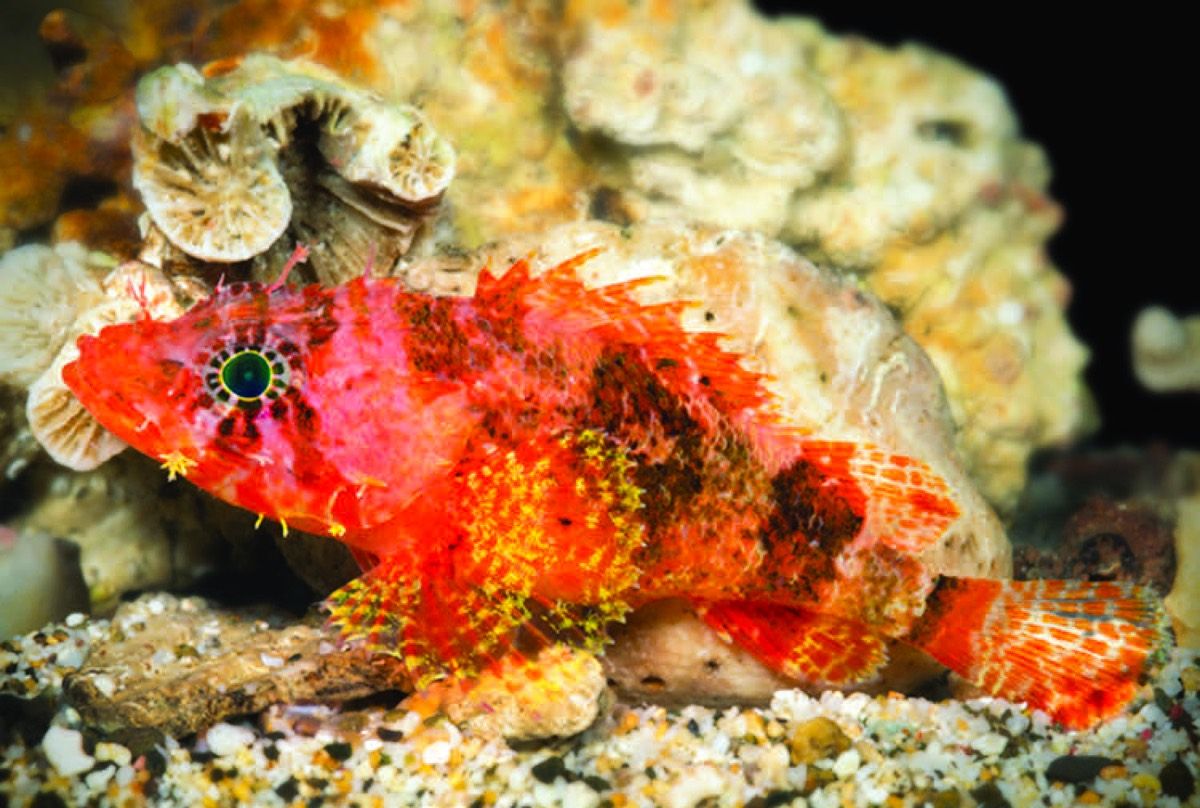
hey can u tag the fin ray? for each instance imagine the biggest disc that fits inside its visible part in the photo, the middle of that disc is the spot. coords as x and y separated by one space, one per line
907 505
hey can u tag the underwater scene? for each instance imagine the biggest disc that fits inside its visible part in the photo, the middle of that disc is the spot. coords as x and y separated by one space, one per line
590 403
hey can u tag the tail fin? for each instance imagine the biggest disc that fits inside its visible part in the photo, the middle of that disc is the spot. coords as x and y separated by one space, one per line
1074 649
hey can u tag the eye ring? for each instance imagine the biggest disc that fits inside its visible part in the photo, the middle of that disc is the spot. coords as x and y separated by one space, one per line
247 373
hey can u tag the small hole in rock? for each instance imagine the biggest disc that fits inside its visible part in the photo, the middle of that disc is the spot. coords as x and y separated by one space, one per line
956 133
653 682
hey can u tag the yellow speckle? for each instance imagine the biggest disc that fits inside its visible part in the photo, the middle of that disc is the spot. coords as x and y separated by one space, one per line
177 464
258 522
283 524
337 530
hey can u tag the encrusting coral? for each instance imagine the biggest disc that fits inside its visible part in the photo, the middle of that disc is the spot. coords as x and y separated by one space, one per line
228 164
43 290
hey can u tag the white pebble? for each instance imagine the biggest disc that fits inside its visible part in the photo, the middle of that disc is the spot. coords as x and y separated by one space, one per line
847 763
125 776
436 754
156 607
75 619
695 785
114 752
64 750
271 661
105 685
579 795
226 739
990 743
98 779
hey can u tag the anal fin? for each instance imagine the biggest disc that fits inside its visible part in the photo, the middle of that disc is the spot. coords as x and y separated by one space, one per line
1074 649
800 643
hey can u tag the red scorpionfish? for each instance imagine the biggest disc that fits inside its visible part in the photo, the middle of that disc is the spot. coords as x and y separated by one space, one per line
527 464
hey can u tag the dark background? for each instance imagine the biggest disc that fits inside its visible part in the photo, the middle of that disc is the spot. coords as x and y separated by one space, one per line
1105 96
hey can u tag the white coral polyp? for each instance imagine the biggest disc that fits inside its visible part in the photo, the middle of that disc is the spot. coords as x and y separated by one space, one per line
218 196
392 148
42 291
67 431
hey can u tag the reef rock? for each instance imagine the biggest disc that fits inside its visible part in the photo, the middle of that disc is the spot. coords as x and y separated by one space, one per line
178 666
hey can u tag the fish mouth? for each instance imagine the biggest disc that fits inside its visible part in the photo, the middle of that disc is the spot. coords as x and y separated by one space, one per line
94 378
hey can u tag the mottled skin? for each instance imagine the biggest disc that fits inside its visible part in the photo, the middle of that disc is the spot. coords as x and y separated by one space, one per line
529 463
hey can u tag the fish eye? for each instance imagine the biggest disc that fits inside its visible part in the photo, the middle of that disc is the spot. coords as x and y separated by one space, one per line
241 374
247 375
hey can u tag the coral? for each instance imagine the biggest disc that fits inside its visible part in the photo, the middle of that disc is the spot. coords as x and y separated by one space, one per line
1166 350
53 297
227 165
719 118
42 292
68 432
218 195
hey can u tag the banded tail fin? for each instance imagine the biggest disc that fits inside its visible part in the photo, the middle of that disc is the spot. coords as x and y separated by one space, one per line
1074 649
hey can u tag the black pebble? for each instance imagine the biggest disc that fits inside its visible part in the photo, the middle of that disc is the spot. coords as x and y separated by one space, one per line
288 790
156 763
48 799
390 735
989 795
597 784
1077 768
550 769
339 751
1177 780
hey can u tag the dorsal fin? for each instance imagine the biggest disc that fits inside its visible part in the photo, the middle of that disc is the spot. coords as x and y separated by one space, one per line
692 365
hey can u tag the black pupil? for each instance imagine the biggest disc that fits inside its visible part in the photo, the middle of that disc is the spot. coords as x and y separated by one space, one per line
247 375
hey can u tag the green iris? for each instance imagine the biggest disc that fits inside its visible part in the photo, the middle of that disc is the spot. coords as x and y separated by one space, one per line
247 375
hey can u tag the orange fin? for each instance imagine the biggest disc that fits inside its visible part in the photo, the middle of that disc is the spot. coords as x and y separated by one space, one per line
530 544
906 504
800 643
421 615
1074 649
692 365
